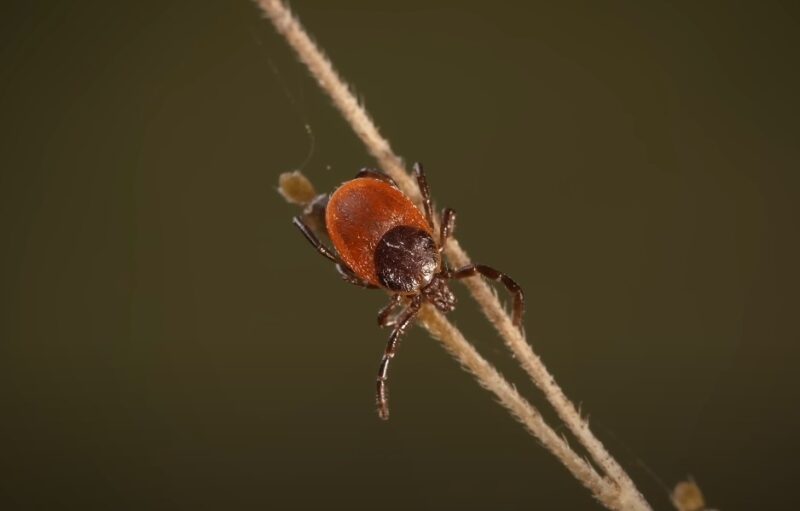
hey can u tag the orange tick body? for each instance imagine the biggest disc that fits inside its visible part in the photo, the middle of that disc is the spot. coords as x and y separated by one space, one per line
382 240
358 216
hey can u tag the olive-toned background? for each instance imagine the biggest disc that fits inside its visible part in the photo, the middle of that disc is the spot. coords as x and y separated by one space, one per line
168 340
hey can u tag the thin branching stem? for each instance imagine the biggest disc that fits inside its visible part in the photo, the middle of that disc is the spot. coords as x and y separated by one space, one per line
297 189
489 378
616 490
329 80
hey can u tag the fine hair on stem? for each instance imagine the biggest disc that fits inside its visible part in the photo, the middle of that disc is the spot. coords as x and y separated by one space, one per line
604 477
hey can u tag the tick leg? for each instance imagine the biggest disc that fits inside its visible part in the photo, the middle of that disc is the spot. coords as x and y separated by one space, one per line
425 191
345 271
374 174
391 348
491 273
348 275
447 227
314 213
383 314
308 233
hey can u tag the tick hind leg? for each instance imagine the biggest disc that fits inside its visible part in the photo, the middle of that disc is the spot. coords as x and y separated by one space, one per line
491 273
350 276
344 270
375 174
382 389
312 238
314 213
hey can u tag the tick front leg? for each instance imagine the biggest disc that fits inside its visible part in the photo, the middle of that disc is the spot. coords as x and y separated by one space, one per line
491 273
422 181
383 314
382 389
447 227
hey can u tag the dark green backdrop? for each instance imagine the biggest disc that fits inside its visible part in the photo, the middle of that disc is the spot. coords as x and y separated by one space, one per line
168 340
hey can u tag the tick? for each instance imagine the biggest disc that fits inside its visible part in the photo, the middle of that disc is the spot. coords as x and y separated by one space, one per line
382 240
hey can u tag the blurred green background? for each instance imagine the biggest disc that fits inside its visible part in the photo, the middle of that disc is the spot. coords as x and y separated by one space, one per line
168 340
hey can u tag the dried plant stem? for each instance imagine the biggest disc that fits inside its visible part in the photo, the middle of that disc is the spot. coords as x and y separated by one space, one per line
616 490
330 81
297 189
489 378
533 365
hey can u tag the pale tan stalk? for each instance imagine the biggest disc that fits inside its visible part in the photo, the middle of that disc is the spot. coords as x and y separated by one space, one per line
533 365
344 99
618 491
489 378
297 189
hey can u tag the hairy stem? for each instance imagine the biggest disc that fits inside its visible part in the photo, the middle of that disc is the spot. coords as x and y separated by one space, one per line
489 378
294 187
329 80
543 379
618 491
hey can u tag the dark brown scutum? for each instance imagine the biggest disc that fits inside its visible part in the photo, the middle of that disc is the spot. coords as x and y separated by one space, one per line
406 259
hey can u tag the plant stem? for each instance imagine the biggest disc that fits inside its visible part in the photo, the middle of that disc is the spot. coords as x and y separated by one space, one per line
489 378
329 81
618 491
544 380
294 187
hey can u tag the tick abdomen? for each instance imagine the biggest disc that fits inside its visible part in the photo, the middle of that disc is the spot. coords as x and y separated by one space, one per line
359 214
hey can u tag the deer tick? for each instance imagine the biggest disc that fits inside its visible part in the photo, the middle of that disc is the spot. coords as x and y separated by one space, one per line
382 240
